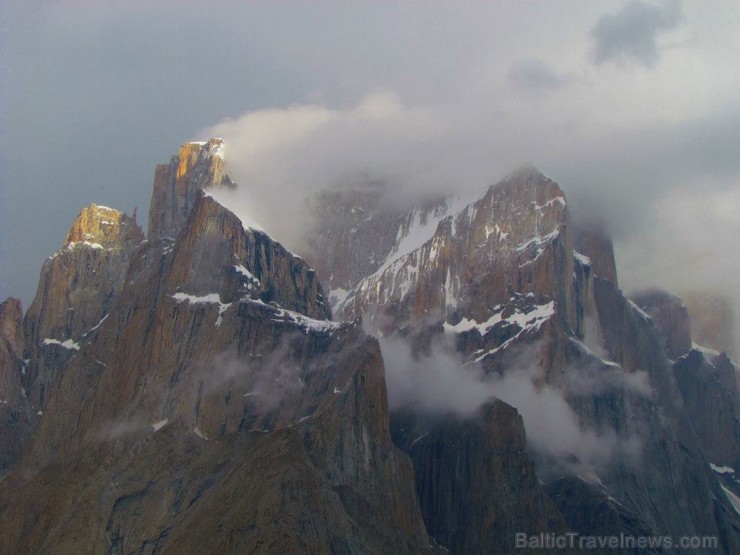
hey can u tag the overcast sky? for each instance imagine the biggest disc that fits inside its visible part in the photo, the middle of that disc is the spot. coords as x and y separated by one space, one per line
632 107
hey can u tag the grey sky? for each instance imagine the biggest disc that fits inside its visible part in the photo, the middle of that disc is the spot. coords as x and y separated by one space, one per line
631 107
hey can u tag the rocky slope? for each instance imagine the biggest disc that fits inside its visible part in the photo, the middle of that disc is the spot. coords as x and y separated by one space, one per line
215 408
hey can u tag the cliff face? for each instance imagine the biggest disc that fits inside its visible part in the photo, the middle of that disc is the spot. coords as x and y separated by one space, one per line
591 239
215 408
711 405
671 319
513 240
476 482
76 290
176 185
14 418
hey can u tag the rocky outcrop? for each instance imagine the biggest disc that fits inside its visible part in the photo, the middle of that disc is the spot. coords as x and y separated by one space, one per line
199 165
671 319
77 288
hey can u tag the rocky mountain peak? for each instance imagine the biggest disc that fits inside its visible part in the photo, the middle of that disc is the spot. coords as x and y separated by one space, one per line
198 165
104 226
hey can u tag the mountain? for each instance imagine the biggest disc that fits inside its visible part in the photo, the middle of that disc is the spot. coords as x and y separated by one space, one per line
437 375
201 401
502 281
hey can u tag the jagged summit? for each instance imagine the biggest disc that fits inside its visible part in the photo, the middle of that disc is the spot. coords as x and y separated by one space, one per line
198 165
212 147
104 226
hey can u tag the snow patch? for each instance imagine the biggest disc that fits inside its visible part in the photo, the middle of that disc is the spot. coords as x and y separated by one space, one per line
706 351
212 298
531 319
308 324
159 425
722 469
734 499
68 344
640 311
582 258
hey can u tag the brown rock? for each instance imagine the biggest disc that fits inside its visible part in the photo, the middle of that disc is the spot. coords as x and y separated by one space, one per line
77 287
197 166
216 408
14 421
11 352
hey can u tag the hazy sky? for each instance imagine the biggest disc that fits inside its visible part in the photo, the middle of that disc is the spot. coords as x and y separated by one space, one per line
632 107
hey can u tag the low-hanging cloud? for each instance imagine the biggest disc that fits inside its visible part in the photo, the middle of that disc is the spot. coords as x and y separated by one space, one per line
441 382
632 33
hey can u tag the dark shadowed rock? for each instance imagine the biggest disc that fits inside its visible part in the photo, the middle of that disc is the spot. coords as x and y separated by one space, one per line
475 480
671 319
591 239
711 407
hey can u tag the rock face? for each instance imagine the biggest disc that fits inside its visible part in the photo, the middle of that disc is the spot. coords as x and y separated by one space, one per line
215 408
711 405
591 240
513 240
712 321
76 290
670 317
14 420
476 482
500 278
11 352
176 185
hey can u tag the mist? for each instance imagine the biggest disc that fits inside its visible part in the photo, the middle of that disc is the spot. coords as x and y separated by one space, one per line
441 382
